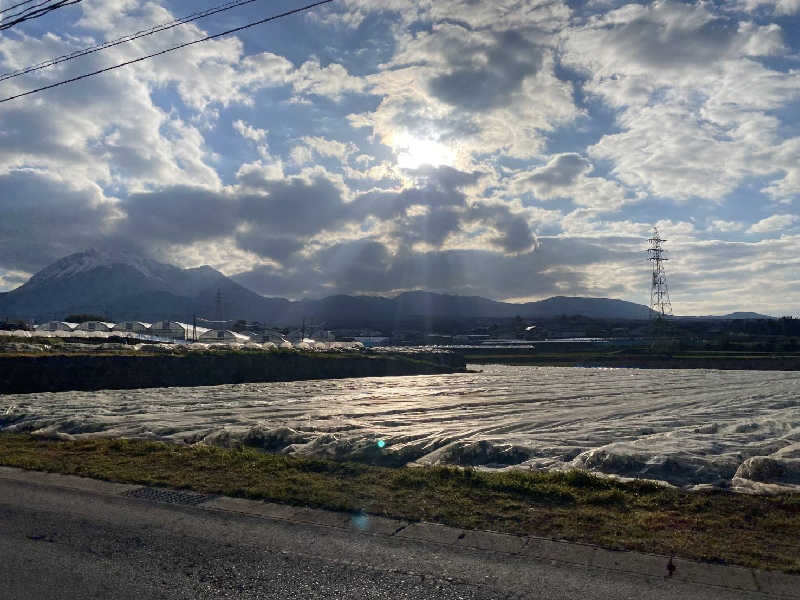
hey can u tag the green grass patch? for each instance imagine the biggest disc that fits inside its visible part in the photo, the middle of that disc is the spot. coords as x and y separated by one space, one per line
755 531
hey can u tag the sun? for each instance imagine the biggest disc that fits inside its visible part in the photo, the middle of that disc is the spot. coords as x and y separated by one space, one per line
414 152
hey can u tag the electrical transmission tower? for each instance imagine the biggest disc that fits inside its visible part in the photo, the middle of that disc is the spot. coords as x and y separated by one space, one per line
660 305
218 312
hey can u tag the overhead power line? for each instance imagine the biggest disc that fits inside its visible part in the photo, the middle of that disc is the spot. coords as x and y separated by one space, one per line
127 38
13 6
34 12
171 49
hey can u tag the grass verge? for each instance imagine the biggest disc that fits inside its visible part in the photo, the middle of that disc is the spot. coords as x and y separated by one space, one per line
754 531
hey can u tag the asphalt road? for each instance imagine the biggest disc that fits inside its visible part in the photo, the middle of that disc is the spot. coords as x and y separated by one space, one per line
58 543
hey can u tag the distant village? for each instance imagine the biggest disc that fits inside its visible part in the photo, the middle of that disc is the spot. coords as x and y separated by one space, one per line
478 332
564 333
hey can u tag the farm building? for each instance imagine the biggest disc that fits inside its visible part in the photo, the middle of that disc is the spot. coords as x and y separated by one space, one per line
268 335
56 326
96 326
316 334
133 326
223 336
169 329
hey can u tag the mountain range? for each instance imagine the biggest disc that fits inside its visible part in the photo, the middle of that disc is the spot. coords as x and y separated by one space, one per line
125 286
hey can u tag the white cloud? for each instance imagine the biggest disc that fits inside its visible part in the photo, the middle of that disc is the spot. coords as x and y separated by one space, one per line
330 148
332 81
301 155
692 105
255 174
12 279
726 226
376 173
773 224
787 7
548 15
249 132
566 175
257 135
108 129
778 7
482 90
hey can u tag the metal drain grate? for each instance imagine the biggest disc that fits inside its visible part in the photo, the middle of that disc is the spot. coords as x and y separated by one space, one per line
169 496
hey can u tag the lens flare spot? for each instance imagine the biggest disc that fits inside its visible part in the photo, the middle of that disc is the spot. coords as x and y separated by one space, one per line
381 444
361 521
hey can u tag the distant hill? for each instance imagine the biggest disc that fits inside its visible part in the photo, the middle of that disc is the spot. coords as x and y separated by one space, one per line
743 315
734 316
598 308
125 286
474 306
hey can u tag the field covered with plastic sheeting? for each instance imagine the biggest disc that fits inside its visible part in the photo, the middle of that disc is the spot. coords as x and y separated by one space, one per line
731 429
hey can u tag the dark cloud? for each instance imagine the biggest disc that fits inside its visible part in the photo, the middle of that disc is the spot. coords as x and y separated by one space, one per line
276 221
432 196
483 77
516 235
432 228
447 211
42 219
514 231
276 247
297 206
367 266
384 205
446 178
284 215
667 36
354 264
436 187
563 170
274 282
178 215
438 191
23 132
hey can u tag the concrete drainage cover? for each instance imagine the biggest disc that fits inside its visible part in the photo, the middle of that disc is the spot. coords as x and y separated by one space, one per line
168 496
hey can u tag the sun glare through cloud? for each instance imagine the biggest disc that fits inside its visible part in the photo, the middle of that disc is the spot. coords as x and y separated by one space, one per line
414 152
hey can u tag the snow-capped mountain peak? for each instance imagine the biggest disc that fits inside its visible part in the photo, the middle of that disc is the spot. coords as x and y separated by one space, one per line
89 260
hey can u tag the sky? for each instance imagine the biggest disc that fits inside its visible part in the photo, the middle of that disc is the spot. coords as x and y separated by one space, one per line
511 149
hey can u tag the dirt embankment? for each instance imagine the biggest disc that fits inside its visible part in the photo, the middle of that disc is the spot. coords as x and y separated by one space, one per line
56 373
752 363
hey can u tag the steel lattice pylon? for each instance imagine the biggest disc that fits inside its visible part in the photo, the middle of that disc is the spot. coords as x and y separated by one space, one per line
218 312
660 305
